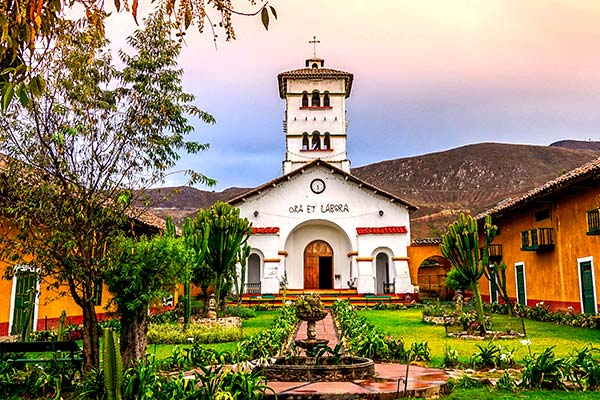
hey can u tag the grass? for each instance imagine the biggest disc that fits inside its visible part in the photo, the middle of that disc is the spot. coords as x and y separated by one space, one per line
487 394
407 324
251 326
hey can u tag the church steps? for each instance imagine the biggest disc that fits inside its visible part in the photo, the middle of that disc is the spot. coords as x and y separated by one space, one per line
328 297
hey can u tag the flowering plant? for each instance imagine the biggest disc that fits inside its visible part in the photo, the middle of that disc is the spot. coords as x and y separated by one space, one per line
309 304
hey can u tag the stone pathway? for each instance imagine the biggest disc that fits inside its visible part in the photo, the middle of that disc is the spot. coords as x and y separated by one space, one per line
387 384
325 330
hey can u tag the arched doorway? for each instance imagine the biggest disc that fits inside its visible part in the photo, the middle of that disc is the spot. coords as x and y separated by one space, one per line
431 276
253 274
382 274
318 265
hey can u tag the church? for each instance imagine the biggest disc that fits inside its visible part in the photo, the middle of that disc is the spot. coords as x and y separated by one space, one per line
317 226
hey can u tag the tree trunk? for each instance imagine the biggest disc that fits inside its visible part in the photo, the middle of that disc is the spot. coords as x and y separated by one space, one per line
479 306
134 329
91 337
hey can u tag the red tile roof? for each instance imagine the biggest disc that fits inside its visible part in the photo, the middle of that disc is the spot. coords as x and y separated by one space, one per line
313 73
269 230
589 171
381 230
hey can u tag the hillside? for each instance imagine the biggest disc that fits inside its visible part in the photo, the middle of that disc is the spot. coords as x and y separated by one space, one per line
469 178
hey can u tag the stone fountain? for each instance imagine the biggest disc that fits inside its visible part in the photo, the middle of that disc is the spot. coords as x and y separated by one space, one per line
311 367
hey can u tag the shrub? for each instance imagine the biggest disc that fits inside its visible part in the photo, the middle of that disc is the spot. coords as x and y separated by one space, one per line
242 312
163 317
585 368
173 333
544 371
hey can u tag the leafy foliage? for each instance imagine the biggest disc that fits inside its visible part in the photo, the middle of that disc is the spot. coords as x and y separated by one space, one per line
177 333
28 25
78 155
143 271
365 340
544 370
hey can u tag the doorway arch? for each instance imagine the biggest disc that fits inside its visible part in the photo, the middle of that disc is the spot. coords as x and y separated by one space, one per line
253 274
318 265
383 278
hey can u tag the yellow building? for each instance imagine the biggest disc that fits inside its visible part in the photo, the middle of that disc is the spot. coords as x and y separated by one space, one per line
549 239
49 304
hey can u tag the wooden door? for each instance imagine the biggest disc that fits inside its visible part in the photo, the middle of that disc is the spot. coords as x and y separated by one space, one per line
587 288
313 251
24 300
521 293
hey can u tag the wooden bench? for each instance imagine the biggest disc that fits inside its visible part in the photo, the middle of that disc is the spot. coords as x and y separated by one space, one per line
66 351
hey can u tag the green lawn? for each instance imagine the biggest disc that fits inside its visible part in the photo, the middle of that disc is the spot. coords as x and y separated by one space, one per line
251 326
407 324
487 394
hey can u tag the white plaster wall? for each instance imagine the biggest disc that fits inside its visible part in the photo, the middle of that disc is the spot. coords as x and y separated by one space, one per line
346 205
305 234
295 86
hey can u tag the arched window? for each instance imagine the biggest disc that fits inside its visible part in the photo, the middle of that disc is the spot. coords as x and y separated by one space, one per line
305 141
315 65
316 99
326 100
304 99
316 141
326 141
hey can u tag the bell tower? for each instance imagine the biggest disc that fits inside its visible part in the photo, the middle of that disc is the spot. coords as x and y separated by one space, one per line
315 114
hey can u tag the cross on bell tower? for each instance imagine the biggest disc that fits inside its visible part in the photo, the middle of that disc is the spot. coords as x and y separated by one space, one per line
314 43
315 62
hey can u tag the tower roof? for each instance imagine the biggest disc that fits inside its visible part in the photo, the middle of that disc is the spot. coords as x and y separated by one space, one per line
314 73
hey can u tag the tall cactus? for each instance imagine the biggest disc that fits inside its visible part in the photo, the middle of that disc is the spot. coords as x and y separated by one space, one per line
239 280
460 245
60 335
195 238
112 366
226 232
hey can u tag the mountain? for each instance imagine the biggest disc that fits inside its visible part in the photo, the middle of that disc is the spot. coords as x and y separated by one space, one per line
465 179
471 178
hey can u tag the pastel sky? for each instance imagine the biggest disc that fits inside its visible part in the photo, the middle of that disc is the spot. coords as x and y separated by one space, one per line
428 76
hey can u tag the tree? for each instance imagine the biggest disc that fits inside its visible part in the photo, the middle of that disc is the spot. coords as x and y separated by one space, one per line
144 270
460 245
30 24
496 274
455 281
80 154
226 234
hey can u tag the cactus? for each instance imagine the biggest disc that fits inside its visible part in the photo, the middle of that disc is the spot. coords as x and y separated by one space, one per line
228 232
112 366
60 335
460 245
195 238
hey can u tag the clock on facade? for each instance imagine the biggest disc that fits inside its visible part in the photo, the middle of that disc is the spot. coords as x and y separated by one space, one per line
317 186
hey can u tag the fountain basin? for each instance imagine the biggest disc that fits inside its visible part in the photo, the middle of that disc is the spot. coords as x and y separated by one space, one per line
327 369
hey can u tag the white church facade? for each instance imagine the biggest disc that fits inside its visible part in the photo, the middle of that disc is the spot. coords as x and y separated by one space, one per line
317 226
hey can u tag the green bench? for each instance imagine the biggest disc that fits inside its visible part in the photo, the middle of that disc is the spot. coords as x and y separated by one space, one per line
63 352
377 298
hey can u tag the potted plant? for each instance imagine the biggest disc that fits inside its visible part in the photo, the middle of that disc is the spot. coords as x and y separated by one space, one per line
310 307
